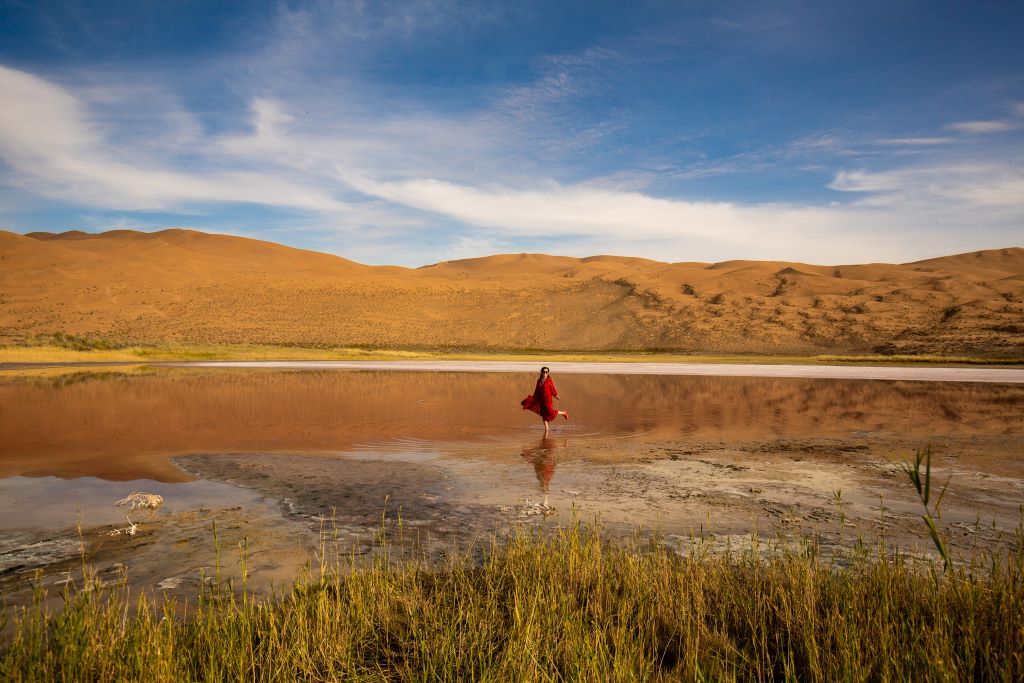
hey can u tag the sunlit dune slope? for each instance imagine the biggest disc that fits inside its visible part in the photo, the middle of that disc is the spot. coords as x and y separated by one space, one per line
187 286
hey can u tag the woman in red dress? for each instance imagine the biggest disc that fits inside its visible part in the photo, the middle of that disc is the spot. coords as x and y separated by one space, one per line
541 401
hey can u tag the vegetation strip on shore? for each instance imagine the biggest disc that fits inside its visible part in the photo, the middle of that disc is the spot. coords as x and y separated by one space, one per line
563 605
72 349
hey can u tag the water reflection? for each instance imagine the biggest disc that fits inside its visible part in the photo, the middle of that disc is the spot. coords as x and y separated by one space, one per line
542 457
123 426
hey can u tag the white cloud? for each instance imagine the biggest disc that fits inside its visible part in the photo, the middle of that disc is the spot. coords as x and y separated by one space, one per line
983 127
976 185
639 225
572 210
39 120
269 118
914 142
46 137
862 181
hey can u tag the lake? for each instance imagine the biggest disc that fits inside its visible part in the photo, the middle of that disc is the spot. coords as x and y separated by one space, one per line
273 452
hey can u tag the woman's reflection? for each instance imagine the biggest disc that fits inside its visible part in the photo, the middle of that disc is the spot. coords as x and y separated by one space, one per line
542 458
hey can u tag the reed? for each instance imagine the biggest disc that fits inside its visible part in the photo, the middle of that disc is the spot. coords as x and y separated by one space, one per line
562 604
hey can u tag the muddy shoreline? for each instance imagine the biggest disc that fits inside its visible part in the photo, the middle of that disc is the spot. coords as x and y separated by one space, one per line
843 492
671 487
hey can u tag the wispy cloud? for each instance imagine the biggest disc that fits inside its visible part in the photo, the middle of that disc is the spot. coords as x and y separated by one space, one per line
964 187
916 142
558 210
901 208
47 138
984 127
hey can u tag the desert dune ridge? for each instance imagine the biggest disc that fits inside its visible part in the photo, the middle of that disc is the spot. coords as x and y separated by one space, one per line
193 287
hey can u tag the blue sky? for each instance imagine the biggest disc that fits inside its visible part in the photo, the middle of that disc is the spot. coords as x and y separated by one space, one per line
413 132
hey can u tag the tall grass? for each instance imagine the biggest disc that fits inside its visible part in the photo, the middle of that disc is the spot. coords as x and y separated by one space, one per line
565 605
922 483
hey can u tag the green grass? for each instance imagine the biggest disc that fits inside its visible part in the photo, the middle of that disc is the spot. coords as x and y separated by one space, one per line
565 605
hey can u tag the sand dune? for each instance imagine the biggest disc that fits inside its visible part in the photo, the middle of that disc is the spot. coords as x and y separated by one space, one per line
189 286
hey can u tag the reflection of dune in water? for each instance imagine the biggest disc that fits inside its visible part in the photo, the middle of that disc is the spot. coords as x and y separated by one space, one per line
122 426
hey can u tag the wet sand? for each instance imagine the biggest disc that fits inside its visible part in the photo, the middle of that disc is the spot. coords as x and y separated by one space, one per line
444 459
675 488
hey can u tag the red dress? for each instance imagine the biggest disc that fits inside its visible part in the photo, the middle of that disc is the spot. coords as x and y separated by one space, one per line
540 402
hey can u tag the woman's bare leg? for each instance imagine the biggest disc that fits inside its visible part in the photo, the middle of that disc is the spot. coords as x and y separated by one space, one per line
565 414
545 425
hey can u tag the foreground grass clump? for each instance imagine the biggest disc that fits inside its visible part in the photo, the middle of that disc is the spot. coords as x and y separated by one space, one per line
567 606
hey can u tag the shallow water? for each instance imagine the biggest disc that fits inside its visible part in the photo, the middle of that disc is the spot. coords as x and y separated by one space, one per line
52 503
120 425
643 447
